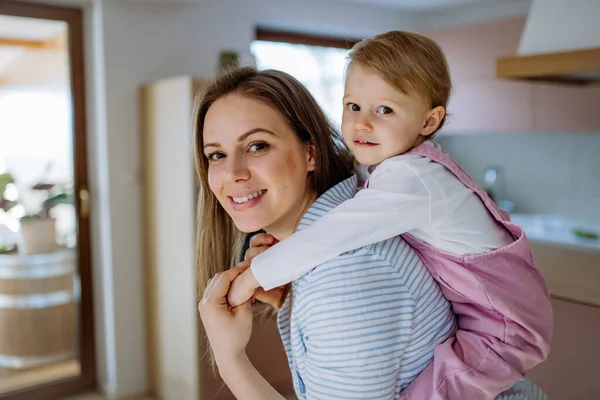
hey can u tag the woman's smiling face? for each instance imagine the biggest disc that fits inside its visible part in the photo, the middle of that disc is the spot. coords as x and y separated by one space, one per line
257 166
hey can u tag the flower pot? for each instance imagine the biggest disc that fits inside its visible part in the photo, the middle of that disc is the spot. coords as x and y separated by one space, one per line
38 235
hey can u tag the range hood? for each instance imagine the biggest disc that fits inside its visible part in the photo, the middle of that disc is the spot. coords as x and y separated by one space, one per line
560 43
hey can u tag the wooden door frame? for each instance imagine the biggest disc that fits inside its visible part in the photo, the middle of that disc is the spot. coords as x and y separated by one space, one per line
74 19
276 35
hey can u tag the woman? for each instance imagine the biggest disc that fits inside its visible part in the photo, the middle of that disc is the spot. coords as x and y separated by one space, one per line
362 325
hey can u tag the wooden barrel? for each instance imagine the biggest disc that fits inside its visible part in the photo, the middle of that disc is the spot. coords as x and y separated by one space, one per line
38 310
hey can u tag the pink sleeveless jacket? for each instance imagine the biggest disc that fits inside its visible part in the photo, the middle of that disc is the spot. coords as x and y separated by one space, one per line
503 308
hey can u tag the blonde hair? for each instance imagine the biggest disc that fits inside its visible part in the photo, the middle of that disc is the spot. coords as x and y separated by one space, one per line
218 239
409 62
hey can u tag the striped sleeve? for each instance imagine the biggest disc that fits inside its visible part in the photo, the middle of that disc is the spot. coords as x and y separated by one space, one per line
354 323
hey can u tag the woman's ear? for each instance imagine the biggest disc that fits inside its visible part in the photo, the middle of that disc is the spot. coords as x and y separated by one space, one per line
433 120
311 157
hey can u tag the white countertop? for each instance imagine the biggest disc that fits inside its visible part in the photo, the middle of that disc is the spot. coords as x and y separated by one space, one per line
557 231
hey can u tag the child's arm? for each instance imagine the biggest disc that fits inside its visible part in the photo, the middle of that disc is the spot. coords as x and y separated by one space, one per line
396 201
505 326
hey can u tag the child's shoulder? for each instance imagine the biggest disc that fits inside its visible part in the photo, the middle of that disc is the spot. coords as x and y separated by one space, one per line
406 165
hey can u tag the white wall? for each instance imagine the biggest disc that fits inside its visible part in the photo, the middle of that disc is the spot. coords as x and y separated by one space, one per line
545 173
144 41
557 25
467 14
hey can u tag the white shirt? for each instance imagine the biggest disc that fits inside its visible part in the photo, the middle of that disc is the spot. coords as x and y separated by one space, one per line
406 194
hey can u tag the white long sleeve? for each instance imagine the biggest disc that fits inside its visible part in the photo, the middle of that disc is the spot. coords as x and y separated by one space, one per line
406 193
396 201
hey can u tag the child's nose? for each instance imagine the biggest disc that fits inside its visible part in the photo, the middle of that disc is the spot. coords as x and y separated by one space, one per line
362 123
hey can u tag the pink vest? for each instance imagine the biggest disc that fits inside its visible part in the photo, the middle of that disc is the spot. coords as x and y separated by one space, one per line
502 304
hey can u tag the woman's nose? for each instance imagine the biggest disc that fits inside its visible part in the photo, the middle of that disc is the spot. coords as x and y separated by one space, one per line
237 169
363 124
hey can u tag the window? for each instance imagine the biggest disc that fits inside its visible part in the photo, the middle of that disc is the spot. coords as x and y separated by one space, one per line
317 62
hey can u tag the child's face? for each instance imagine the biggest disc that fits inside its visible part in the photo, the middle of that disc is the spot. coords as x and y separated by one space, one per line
379 121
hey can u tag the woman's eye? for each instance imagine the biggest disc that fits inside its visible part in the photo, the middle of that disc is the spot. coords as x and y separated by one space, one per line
258 146
353 107
384 110
215 156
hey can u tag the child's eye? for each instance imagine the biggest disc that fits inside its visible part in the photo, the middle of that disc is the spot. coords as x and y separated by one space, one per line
353 107
384 110
214 156
258 146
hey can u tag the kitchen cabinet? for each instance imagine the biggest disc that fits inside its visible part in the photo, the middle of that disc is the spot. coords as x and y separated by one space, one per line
571 370
178 366
482 103
570 273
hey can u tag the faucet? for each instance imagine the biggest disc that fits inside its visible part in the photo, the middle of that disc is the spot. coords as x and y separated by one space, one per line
491 183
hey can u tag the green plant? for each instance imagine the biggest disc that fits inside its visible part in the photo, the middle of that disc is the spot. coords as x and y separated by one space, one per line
56 194
5 180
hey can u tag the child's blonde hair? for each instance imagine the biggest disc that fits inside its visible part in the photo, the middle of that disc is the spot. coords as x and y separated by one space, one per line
411 63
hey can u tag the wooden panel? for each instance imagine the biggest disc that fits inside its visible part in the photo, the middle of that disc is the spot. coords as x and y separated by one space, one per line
273 35
577 66
571 370
570 274
51 44
28 286
39 322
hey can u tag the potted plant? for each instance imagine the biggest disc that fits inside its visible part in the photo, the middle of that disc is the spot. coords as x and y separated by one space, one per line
6 203
38 230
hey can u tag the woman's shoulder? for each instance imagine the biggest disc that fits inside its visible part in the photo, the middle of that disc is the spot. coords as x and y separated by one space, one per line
360 272
386 258
365 276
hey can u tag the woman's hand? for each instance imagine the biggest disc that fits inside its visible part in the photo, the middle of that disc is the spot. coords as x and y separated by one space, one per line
228 329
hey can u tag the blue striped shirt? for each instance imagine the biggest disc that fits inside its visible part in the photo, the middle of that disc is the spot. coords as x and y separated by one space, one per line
364 324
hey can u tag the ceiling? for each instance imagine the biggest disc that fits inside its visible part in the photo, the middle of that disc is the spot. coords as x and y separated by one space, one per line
29 28
426 5
32 51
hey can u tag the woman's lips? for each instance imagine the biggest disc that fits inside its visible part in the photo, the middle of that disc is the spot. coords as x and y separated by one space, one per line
246 203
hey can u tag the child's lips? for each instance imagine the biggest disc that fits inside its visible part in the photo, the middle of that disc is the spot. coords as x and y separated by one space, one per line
364 143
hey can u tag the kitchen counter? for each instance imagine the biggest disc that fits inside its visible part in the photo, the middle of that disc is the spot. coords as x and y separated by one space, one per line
555 230
570 264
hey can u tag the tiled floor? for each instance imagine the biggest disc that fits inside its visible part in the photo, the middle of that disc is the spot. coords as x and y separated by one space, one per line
49 373
98 396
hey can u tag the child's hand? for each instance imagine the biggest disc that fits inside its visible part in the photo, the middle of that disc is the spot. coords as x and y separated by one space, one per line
258 244
242 288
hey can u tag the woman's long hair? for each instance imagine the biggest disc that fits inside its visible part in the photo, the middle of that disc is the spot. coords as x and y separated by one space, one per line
218 239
